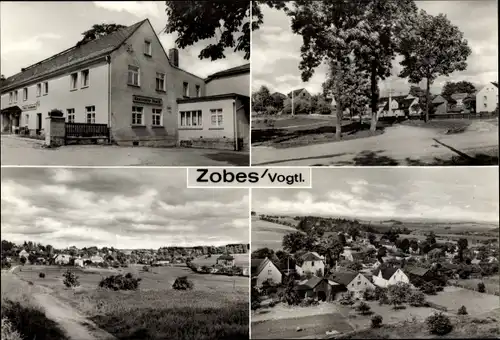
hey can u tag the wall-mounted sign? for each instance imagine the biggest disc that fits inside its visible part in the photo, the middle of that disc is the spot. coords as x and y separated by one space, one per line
147 100
29 107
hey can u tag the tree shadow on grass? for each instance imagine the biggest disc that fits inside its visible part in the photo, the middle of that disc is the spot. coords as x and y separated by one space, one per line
476 160
235 158
373 158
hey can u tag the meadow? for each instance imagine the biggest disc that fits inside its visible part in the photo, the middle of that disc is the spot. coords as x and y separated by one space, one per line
268 234
240 260
216 307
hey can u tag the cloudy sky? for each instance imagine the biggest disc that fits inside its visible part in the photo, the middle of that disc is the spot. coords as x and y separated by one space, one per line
276 50
33 31
124 208
453 194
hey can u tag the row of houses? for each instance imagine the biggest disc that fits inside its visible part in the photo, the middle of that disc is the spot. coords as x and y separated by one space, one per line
485 99
128 82
325 286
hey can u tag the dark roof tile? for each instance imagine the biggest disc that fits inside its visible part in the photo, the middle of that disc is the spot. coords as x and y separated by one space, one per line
73 56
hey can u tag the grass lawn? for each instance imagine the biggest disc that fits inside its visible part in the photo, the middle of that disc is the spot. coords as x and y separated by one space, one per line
315 325
463 327
289 122
454 297
216 308
455 125
491 282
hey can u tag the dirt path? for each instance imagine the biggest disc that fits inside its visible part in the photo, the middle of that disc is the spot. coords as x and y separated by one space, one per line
76 326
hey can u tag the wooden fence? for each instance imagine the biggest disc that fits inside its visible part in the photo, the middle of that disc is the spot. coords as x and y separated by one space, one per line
83 130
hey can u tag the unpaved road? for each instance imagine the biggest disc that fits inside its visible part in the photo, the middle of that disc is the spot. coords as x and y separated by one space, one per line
22 151
398 144
76 326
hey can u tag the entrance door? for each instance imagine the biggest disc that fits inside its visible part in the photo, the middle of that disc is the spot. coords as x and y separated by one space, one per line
38 123
322 295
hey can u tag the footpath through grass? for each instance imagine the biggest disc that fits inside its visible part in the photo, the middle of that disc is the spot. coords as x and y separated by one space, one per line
22 318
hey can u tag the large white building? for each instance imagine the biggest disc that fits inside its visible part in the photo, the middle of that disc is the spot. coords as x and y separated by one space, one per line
487 98
124 80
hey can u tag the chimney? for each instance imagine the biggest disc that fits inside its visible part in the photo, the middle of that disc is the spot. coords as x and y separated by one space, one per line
173 55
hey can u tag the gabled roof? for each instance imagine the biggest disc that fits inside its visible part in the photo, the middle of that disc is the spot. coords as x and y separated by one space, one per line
229 72
73 56
278 95
387 272
310 284
296 92
416 270
257 265
343 277
311 256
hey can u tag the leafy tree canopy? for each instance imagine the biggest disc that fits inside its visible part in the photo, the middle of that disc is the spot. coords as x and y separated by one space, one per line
97 31
226 21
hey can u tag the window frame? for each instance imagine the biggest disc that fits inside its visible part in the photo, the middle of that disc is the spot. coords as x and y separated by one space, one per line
25 94
38 90
73 81
158 78
11 97
216 113
191 116
70 113
135 116
16 96
45 88
138 72
185 89
198 91
92 112
149 51
83 73
157 112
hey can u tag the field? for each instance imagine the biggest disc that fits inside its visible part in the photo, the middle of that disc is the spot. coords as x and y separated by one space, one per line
268 234
464 327
476 303
491 283
279 322
240 260
217 307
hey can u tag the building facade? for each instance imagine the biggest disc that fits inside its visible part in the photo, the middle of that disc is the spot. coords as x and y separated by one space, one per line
264 270
221 118
487 98
127 81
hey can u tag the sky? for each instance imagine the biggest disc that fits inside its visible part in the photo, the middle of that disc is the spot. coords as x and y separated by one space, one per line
454 194
123 208
33 31
276 49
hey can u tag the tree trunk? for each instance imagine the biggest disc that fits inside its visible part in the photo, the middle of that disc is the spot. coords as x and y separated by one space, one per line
374 98
338 123
427 97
